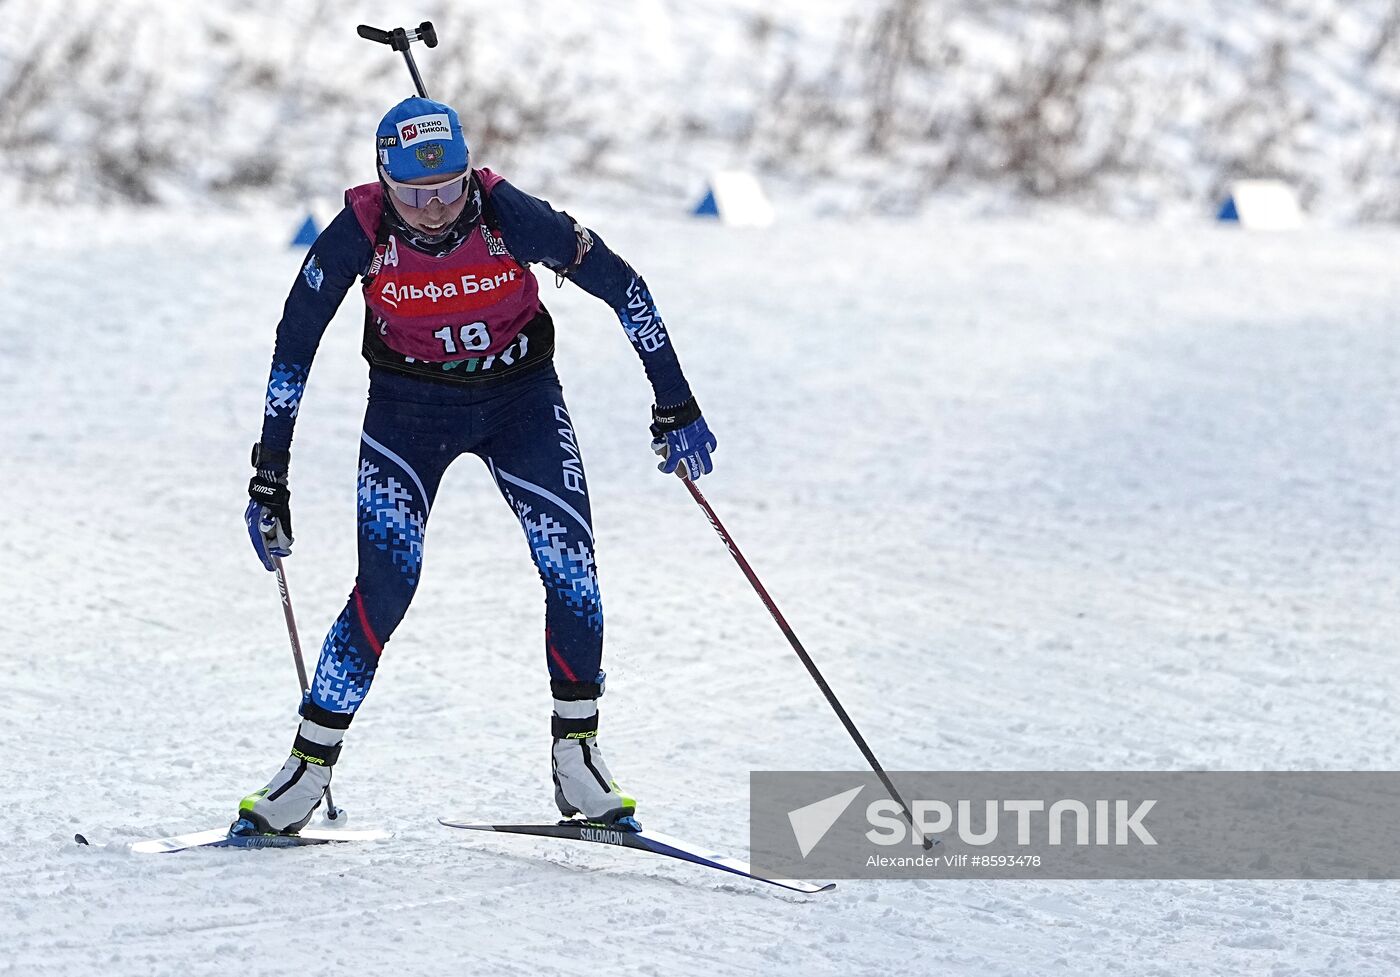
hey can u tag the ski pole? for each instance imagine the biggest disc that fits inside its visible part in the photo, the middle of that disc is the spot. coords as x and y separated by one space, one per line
816 674
332 812
399 39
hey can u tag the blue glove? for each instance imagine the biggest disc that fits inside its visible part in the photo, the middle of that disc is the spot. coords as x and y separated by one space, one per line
682 439
269 512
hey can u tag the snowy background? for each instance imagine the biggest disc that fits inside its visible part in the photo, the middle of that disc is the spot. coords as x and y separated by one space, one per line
1125 106
1040 488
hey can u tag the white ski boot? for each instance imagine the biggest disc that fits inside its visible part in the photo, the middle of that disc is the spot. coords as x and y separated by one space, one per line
582 783
292 796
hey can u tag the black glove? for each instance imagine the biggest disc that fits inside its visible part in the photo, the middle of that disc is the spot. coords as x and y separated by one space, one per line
269 512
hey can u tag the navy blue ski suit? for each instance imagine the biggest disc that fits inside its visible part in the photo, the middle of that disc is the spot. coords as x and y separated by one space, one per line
417 424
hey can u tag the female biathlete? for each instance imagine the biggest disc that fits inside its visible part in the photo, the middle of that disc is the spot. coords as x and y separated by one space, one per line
460 353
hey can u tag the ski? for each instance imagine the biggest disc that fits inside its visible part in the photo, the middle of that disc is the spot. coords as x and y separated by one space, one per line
649 841
221 838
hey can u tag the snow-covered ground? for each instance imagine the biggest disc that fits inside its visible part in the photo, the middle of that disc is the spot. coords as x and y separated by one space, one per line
1050 494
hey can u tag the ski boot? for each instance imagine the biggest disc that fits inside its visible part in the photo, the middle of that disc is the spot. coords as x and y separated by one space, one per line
582 783
292 796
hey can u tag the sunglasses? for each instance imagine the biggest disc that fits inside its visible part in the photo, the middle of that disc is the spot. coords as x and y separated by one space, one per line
419 195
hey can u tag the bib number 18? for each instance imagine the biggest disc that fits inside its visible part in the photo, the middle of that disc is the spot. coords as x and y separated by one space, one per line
474 336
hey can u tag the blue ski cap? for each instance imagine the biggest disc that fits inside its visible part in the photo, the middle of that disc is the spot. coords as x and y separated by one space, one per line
421 138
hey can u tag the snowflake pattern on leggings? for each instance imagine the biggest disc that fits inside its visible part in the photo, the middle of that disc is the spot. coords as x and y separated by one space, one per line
569 571
390 520
343 674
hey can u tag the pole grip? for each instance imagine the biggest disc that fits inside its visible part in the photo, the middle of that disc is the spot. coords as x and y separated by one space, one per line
373 34
400 40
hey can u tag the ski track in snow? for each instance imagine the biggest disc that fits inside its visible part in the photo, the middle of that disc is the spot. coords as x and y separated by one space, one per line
1054 494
